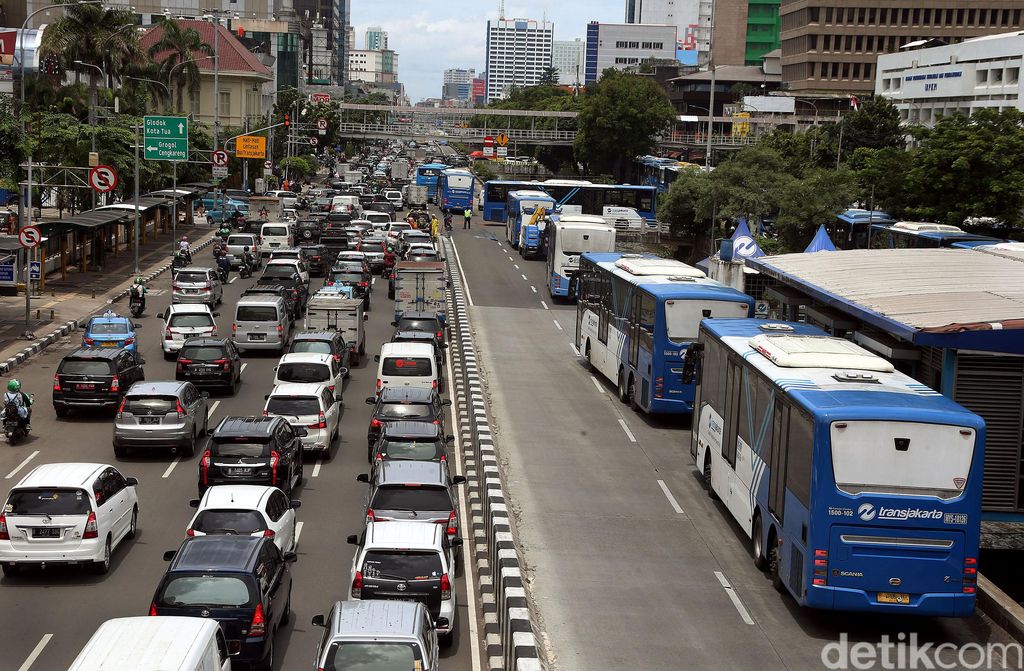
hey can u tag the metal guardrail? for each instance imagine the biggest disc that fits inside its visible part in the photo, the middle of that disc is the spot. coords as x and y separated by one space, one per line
550 137
701 140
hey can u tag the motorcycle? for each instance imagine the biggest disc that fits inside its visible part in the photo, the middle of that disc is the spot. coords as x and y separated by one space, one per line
13 428
135 305
179 261
223 274
245 269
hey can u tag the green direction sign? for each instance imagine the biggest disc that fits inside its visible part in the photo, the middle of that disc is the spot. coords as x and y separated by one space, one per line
165 138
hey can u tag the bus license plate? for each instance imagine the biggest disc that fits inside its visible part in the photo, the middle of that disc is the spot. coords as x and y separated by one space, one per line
893 597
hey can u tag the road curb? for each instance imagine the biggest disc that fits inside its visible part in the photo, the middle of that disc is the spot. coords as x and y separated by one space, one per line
43 343
1000 608
510 634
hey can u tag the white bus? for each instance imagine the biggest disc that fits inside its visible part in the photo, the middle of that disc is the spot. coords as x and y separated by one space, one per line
567 239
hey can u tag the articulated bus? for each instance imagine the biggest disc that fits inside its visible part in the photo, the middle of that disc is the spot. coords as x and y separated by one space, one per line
922 235
569 238
635 318
859 487
521 207
455 189
573 196
427 175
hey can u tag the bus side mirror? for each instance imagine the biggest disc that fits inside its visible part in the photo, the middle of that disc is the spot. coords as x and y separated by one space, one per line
690 361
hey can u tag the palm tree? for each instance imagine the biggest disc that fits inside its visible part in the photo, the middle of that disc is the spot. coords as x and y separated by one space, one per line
548 76
181 47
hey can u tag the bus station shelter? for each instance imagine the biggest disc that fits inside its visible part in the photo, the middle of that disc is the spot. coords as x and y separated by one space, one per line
951 318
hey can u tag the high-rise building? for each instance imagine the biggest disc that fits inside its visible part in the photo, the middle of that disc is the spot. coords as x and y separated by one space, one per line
569 57
833 46
623 45
737 32
323 59
376 38
518 51
684 14
457 84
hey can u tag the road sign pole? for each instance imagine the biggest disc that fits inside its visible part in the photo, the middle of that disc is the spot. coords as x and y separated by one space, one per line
27 221
138 140
174 205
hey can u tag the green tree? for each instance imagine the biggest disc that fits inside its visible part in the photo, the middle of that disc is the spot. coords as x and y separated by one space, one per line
805 203
875 124
620 117
748 184
686 205
548 76
180 48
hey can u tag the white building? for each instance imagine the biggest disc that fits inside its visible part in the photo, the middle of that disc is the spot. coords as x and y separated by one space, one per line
683 14
569 57
459 76
372 66
624 45
518 50
376 38
927 84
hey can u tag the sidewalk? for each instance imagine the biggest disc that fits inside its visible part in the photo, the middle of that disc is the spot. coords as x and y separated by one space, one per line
82 294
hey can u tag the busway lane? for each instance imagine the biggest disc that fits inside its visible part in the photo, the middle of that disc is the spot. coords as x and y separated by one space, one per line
70 604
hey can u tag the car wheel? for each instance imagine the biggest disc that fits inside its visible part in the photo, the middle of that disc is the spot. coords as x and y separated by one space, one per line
267 663
61 412
288 604
120 452
190 449
103 565
134 528
446 640
170 356
11 569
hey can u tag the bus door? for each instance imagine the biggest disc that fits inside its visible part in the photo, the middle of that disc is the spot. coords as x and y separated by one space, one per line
777 460
634 331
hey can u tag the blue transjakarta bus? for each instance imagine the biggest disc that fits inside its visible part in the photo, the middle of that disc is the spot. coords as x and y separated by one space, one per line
636 316
522 207
455 186
566 240
427 175
572 196
859 486
922 235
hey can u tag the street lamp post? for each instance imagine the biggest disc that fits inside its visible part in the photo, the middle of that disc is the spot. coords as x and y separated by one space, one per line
814 137
92 116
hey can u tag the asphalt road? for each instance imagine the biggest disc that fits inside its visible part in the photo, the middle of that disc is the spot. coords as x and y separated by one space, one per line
632 566
52 614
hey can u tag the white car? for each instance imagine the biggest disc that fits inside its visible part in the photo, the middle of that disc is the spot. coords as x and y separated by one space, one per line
395 228
296 264
311 368
246 509
183 321
71 513
312 407
353 255
288 198
395 198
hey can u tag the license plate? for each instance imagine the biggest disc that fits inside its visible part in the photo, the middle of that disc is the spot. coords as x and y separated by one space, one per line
149 420
109 344
239 471
257 336
46 532
893 597
85 387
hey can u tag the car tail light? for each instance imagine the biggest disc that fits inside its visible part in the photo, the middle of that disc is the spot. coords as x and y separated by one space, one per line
213 331
337 357
167 334
223 362
152 609
364 284
439 334
380 385
56 382
970 581
820 567
376 423
88 341
369 515
357 585
115 384
205 464
120 408
321 422
234 328
453 524
258 626
275 459
91 529
180 410
433 384
269 533
4 534
176 287
182 363
446 587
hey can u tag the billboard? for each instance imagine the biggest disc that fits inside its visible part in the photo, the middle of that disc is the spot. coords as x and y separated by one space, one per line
770 104
8 41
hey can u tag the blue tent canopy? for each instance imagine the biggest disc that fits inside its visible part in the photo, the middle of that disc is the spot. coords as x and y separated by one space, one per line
821 242
744 245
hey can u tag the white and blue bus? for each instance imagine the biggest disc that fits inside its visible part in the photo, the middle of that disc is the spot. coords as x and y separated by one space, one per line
521 207
455 190
859 486
427 175
566 240
575 196
636 316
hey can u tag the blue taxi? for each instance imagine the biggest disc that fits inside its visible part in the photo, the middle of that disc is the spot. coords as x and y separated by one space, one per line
110 330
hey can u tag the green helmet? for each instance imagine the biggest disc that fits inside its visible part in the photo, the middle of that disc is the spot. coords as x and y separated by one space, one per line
14 386
138 280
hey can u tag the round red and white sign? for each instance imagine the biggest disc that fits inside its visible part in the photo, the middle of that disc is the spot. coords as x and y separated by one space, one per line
219 158
321 124
313 141
103 178
29 236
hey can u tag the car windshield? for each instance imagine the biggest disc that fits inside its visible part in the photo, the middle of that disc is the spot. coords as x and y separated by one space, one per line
419 497
311 253
303 372
109 328
150 405
202 353
84 367
275 230
205 590
240 447
407 367
191 321
47 501
279 270
405 411
404 564
412 450
295 406
373 657
191 277
228 521
414 324
311 347
422 256
256 313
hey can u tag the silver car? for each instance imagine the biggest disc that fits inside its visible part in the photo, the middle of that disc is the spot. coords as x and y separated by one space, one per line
197 285
165 415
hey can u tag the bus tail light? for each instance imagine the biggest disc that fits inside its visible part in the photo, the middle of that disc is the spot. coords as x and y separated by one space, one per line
970 581
820 568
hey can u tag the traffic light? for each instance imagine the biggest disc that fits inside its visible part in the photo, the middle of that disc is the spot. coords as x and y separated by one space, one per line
287 120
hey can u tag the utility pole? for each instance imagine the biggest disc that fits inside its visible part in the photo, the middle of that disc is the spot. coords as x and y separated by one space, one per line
138 141
711 104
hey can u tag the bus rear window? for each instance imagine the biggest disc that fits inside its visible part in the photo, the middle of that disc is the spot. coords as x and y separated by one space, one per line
901 458
682 317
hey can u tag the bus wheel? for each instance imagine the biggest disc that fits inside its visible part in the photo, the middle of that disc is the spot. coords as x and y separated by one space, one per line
707 476
774 562
590 365
623 392
760 561
633 402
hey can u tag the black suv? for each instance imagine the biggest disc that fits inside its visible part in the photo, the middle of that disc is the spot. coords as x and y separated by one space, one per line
209 362
95 377
323 342
351 274
242 582
379 205
411 441
307 231
253 451
428 322
284 276
404 404
333 236
317 258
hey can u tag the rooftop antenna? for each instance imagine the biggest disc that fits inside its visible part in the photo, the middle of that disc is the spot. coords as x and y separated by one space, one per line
501 9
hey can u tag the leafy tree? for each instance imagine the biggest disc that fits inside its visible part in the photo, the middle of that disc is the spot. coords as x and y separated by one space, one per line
749 184
875 124
620 118
548 76
299 167
685 206
12 138
181 48
806 203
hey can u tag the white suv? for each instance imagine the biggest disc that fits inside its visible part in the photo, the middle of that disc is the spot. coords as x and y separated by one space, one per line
255 510
183 321
67 514
312 407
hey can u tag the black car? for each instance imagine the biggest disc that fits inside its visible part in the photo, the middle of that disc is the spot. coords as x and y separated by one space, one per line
428 322
285 276
307 231
317 258
209 362
382 206
404 404
253 451
334 236
323 342
275 290
411 441
365 199
92 378
424 337
243 582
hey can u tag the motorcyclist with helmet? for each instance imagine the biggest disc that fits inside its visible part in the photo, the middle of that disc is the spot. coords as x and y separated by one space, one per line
21 400
224 264
138 293
185 248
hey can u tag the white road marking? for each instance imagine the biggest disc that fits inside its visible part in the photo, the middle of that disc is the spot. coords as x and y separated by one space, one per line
316 468
298 532
242 369
510 258
545 305
465 278
557 325
525 278
232 280
735 599
671 499
373 280
516 265
35 652
573 346
21 465
171 466
596 383
213 409
534 288
629 434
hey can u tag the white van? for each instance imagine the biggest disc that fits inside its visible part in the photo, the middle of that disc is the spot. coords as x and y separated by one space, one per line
273 235
261 322
155 643
404 364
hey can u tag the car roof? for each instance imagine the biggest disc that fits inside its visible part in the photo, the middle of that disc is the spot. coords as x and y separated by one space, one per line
201 269
189 308
412 472
93 353
316 335
282 262
72 474
169 388
375 618
109 319
224 552
259 299
298 389
410 429
403 535
414 335
306 357
242 497
241 426
415 394
406 349
419 314
149 642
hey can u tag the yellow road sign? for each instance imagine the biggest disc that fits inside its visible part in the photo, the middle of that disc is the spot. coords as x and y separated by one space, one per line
251 146
501 139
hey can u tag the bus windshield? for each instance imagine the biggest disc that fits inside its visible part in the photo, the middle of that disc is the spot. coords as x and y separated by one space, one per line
902 458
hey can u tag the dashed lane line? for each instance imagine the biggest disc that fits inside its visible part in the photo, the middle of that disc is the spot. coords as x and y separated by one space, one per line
38 650
734 598
316 468
557 325
545 305
596 382
22 465
629 434
671 499
170 467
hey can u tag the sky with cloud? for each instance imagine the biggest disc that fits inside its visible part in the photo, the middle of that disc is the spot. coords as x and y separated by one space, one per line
431 36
